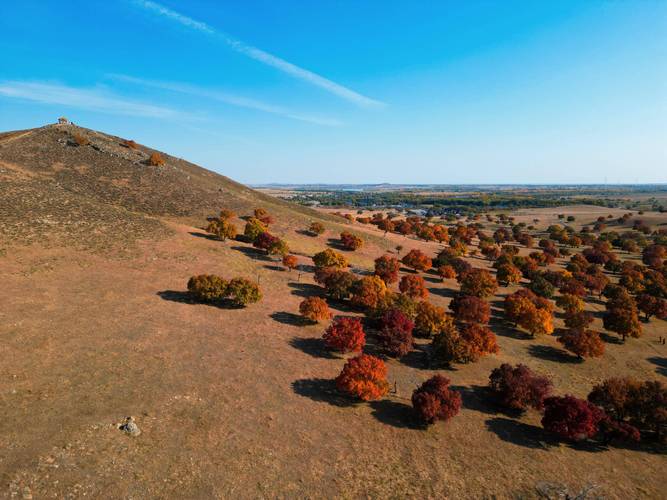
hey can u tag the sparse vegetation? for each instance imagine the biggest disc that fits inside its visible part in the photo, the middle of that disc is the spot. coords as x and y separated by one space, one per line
80 140
156 160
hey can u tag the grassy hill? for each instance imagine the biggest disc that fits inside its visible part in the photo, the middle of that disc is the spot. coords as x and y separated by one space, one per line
103 193
241 402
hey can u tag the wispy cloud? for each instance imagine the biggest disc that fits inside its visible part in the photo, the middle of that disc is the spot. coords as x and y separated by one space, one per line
263 56
234 100
95 99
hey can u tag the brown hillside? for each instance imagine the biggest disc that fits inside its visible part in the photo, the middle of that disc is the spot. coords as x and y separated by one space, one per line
51 187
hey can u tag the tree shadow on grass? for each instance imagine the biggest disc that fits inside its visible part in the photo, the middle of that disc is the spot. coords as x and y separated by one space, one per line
597 314
419 357
549 353
396 414
288 318
274 268
588 445
206 236
611 339
337 245
322 390
661 364
500 327
306 290
312 346
443 292
477 398
253 253
512 431
306 268
176 296
186 298
595 300
360 271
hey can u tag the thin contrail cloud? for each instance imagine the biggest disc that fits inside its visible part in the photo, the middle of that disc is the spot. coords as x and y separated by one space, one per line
264 57
234 100
94 99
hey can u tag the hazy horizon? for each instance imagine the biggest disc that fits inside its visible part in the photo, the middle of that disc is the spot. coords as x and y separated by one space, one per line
353 92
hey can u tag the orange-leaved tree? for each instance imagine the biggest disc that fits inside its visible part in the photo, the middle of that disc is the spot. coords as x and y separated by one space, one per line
431 319
350 241
583 343
155 160
364 377
345 335
413 286
316 228
315 309
386 267
368 292
479 283
417 260
290 261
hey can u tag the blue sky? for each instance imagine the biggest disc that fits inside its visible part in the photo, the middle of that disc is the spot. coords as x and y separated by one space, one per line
354 91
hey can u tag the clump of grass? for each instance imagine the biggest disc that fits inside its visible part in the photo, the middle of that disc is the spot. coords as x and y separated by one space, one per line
156 160
81 140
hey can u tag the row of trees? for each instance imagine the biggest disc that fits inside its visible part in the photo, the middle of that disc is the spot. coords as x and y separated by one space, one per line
618 409
365 377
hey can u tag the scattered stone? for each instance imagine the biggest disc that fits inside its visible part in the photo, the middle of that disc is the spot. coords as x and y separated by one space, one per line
129 427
